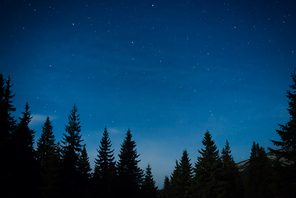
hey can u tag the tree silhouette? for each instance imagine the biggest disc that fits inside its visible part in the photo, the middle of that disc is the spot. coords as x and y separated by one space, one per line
7 121
71 149
85 175
186 175
258 173
175 181
209 175
149 189
165 192
105 170
235 186
7 126
129 174
47 157
287 144
25 165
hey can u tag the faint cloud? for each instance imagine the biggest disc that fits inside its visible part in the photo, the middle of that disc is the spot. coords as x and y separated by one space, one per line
38 119
113 130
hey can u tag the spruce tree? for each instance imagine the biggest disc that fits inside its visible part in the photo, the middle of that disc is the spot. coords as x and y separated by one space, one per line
149 189
25 165
235 184
165 192
209 175
7 127
287 144
7 121
175 182
186 175
129 174
84 166
46 143
71 149
85 175
47 157
105 170
258 173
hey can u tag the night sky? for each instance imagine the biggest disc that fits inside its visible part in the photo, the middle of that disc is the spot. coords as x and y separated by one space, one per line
168 70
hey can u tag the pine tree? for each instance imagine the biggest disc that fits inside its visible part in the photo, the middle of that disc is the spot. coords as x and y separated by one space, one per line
46 143
72 140
84 166
47 157
149 189
7 126
7 121
23 139
287 144
258 173
209 175
71 149
105 170
129 174
233 178
175 182
165 192
85 175
186 175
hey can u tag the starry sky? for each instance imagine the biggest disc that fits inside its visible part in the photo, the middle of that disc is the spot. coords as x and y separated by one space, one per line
167 69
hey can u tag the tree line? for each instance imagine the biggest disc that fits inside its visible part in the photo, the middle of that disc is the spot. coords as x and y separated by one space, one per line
62 169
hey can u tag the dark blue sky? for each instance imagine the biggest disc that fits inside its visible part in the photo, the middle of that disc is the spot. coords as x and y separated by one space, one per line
168 70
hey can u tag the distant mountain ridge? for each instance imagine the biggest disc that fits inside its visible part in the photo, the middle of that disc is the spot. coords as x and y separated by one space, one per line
243 166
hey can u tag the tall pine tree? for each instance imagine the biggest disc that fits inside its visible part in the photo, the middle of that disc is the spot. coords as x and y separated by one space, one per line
258 173
129 174
209 175
47 157
25 165
165 192
287 144
175 181
85 175
7 121
70 155
149 189
105 170
7 126
235 186
186 175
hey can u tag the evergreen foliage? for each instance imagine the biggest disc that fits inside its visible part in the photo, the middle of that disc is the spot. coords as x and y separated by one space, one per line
165 192
185 175
55 170
287 144
258 173
23 140
7 126
149 189
85 175
209 175
71 149
72 139
130 176
175 181
7 121
47 157
235 186
105 170
46 143
84 166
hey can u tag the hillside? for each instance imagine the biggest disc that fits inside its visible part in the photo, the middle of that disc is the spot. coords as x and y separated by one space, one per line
243 166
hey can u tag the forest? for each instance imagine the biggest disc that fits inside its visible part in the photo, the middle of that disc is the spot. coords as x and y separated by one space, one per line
62 169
